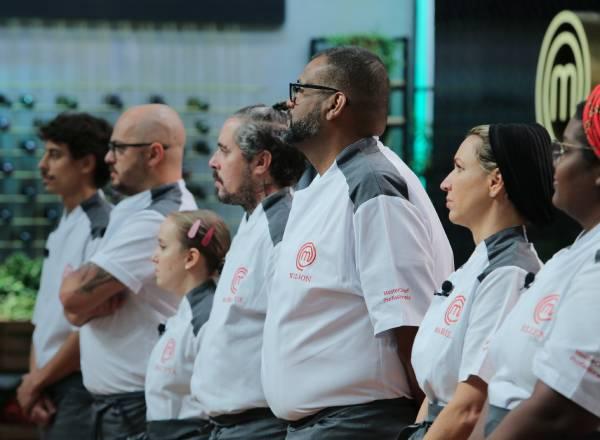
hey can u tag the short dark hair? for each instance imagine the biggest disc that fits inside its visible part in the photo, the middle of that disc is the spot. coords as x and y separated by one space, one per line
83 134
263 128
361 75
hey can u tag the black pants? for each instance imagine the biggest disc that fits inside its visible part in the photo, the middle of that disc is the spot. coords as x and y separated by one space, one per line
73 418
378 420
119 416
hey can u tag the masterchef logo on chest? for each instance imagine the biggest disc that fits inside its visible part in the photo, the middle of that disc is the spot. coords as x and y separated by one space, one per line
306 256
452 315
236 284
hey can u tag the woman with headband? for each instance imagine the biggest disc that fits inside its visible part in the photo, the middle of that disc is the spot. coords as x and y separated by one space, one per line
190 252
546 355
501 182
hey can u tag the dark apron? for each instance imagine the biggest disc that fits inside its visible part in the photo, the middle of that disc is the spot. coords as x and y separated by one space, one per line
119 416
418 430
376 420
73 410
252 424
180 429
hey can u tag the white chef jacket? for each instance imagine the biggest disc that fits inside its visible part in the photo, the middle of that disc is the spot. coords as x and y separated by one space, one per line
168 394
453 339
362 254
72 243
226 377
552 332
115 348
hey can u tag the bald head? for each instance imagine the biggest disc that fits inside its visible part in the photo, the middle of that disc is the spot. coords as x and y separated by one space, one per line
153 123
159 134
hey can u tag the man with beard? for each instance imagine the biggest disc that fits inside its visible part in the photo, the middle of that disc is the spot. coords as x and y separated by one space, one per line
145 158
362 254
253 168
73 168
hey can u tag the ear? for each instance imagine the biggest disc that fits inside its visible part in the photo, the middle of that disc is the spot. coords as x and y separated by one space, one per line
157 154
192 258
262 163
336 105
87 164
495 183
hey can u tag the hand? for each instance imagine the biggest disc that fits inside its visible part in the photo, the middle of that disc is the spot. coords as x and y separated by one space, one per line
42 411
29 391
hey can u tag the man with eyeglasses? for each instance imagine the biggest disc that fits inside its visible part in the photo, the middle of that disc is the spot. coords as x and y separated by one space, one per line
361 256
145 159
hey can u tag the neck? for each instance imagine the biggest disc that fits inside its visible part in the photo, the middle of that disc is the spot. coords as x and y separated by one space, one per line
590 220
261 193
72 201
496 220
191 281
322 152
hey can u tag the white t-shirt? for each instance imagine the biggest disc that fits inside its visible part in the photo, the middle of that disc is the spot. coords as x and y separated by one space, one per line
82 228
552 332
168 394
362 254
226 377
115 348
453 339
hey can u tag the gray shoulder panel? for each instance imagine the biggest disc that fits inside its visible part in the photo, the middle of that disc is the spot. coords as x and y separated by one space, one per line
307 177
509 247
369 173
277 210
201 299
597 257
98 212
166 199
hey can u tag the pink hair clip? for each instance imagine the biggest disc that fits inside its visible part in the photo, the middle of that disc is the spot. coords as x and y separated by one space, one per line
208 236
194 229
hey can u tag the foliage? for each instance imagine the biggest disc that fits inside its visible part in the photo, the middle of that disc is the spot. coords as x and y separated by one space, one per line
19 283
382 46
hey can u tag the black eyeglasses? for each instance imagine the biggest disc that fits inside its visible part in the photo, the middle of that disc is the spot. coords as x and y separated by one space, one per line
559 149
296 88
116 147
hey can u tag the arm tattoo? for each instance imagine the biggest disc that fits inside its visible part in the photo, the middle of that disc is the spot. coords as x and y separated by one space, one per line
93 277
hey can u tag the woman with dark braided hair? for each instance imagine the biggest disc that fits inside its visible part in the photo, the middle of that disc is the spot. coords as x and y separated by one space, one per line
546 355
190 253
501 182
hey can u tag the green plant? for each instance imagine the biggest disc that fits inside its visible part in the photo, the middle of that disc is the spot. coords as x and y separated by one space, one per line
19 283
381 45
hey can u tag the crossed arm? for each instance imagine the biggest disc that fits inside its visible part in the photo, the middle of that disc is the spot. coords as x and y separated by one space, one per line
90 292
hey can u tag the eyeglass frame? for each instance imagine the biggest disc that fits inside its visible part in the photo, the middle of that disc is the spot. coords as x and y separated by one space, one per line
113 146
559 149
298 85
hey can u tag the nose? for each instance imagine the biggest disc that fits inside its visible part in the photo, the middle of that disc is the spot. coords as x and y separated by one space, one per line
213 162
43 163
154 258
446 184
109 157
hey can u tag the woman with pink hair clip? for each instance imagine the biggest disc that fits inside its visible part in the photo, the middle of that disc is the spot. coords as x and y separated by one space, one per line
189 255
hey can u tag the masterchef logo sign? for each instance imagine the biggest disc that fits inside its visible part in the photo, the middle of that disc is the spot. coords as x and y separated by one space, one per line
565 72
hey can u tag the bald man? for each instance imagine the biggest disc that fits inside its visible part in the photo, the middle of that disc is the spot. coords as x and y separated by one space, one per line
114 296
